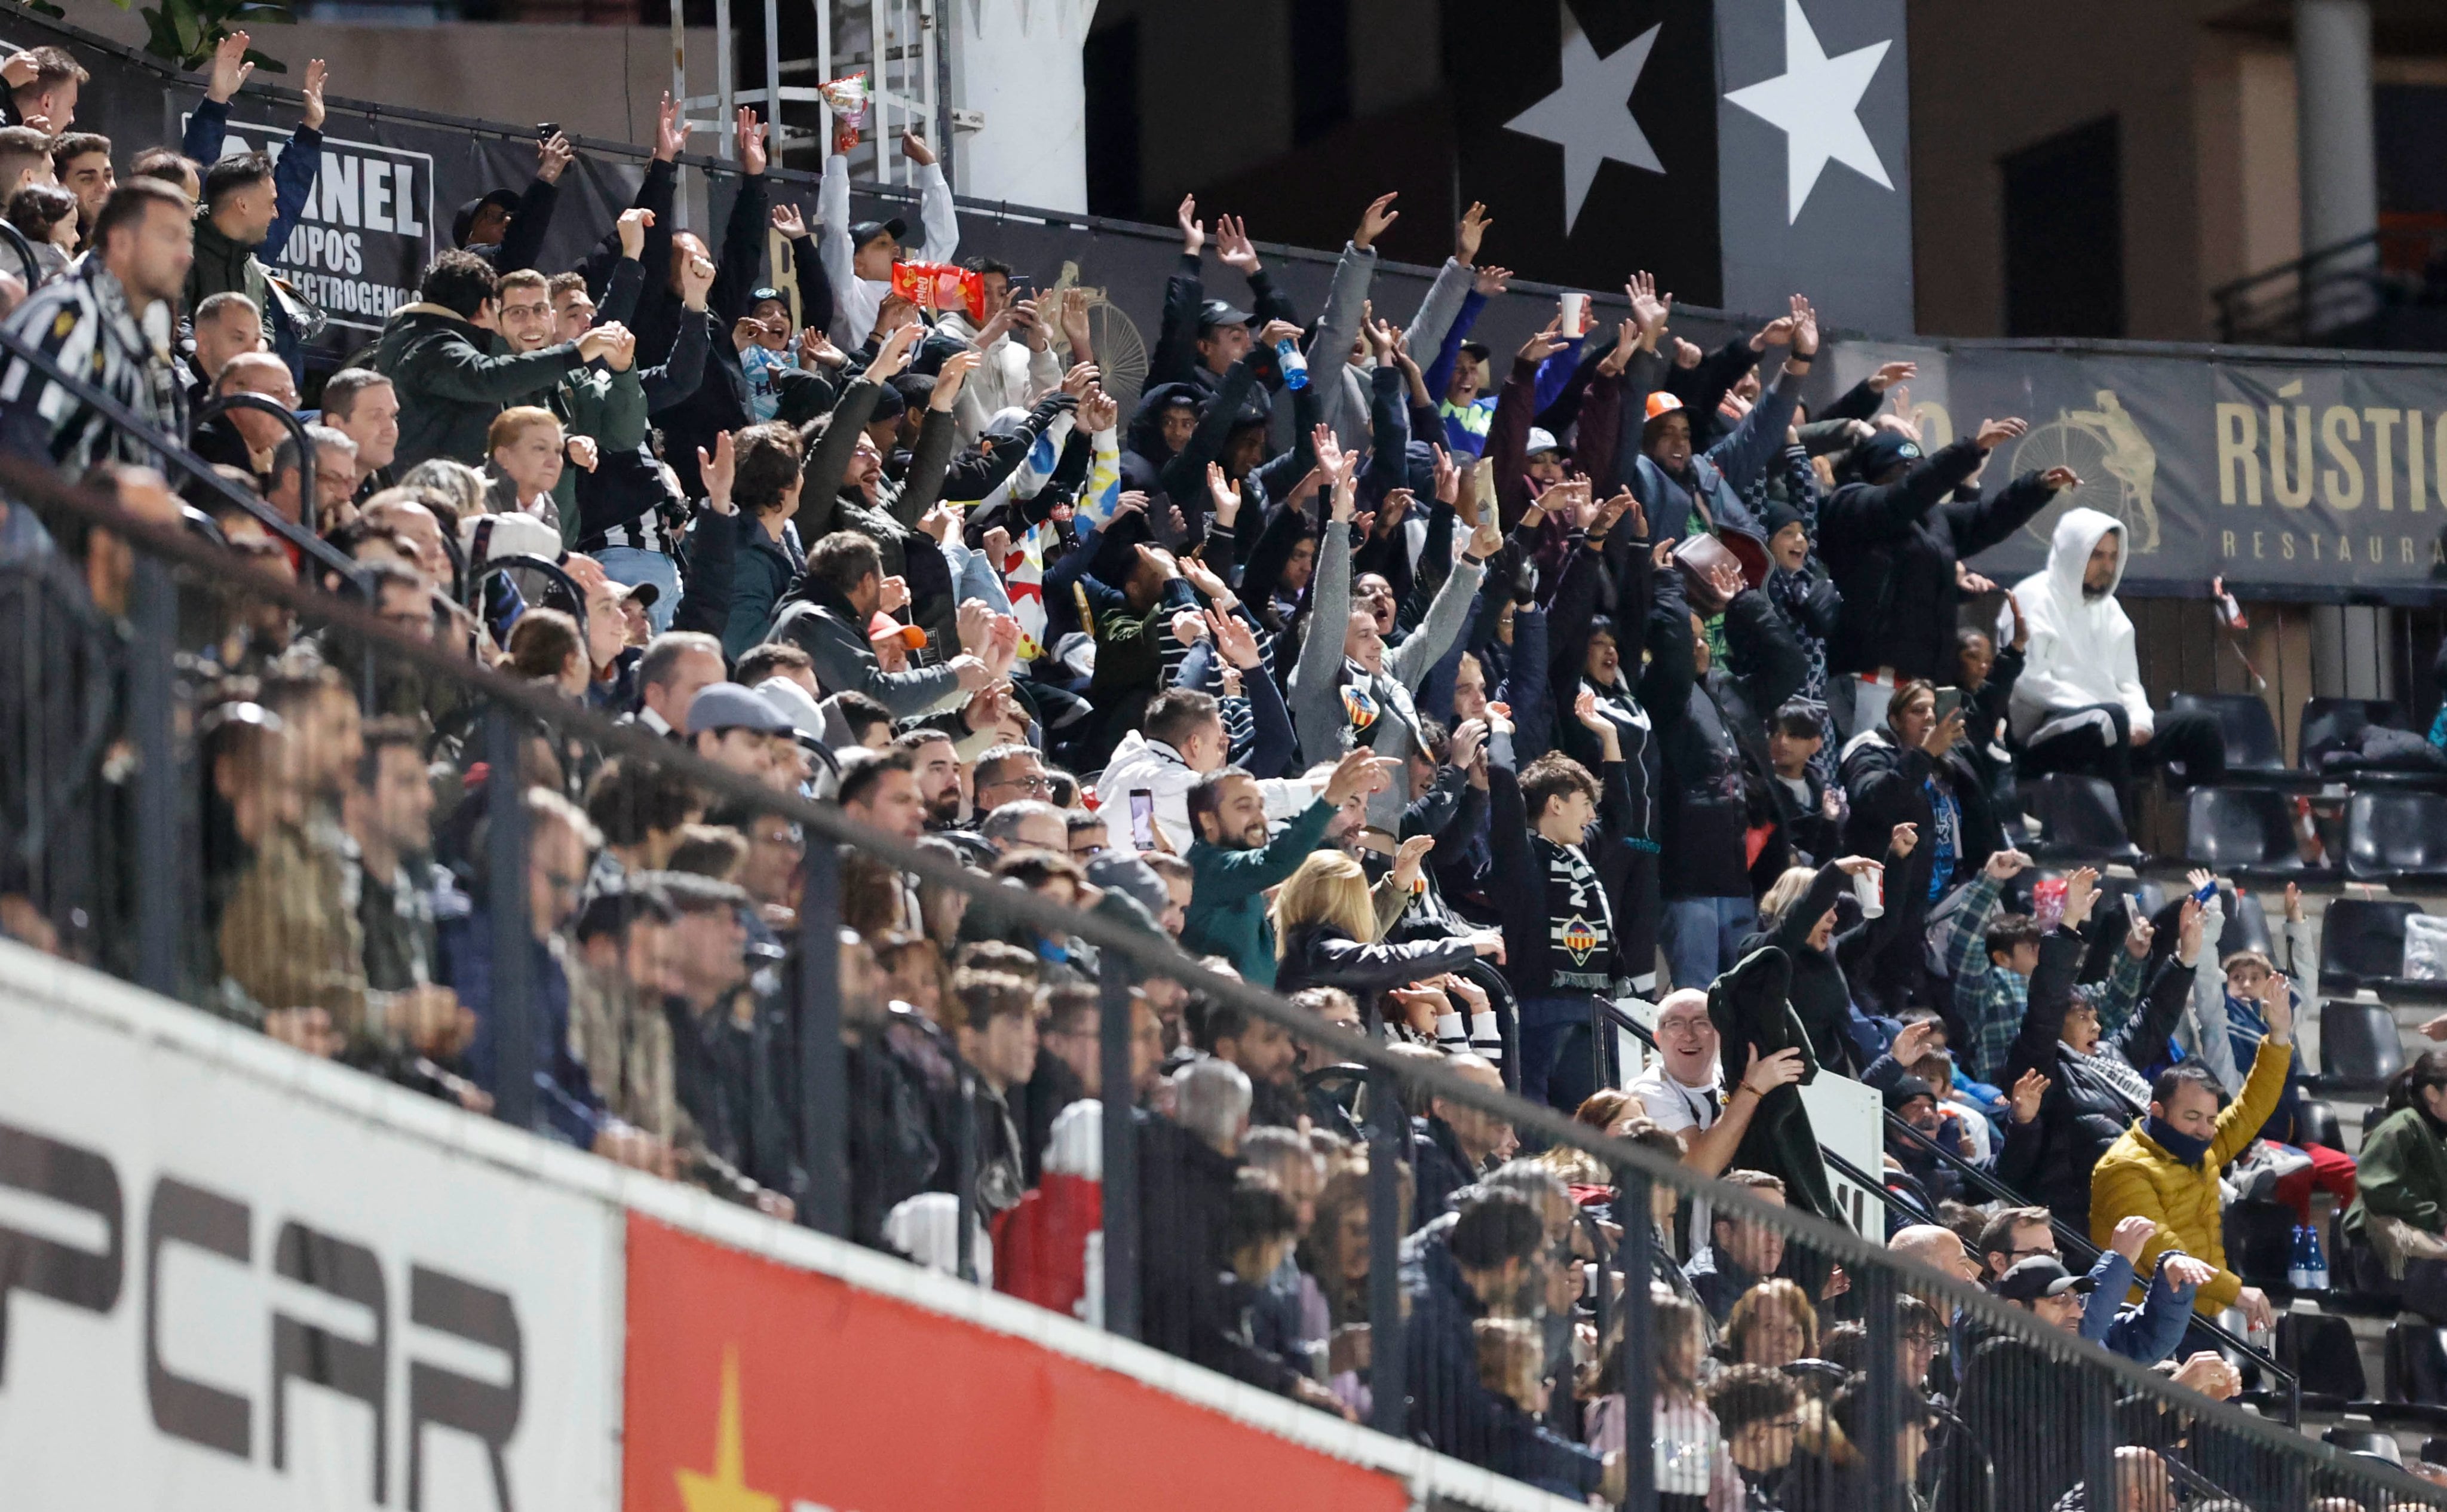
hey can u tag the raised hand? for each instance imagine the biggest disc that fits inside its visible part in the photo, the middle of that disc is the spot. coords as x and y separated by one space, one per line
1804 331
1189 626
311 87
1489 282
1448 476
1467 736
913 147
581 450
2005 865
1081 378
229 68
1382 334
2028 1092
2131 1234
995 543
1624 503
1726 578
2057 480
1233 248
697 280
1768 1073
749 133
1193 231
1627 341
1890 374
1226 493
632 228
1357 775
1648 307
815 350
1233 639
1469 232
1329 451
951 377
1409 860
1375 220
670 131
716 471
622 350
893 355
1544 344
1098 411
2081 893
1995 433
1912 1042
552 157
1901 839
1585 712
790 222
972 622
2139 935
2293 903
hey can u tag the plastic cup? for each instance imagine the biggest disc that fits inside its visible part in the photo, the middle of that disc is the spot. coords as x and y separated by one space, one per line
1871 888
1573 306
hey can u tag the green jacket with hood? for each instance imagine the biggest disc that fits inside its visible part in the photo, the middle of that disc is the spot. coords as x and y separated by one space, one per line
450 385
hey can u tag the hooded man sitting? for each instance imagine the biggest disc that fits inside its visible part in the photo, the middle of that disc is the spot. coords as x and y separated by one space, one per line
2079 706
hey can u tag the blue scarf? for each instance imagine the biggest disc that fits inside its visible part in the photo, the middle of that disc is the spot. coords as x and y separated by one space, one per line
2186 1149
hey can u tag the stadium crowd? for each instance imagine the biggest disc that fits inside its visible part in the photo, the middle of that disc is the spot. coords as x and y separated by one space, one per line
1439 689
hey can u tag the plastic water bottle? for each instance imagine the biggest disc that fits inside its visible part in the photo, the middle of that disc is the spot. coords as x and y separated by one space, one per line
2299 1272
1295 367
2318 1262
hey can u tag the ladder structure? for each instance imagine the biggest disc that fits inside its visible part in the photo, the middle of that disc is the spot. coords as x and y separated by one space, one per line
901 43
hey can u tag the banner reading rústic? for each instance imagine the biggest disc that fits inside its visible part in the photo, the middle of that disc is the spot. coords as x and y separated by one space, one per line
754 1385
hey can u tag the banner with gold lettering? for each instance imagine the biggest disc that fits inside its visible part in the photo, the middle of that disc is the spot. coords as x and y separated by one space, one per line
2324 477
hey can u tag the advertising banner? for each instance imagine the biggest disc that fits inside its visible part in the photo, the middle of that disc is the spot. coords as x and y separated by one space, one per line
2313 478
220 1291
752 1385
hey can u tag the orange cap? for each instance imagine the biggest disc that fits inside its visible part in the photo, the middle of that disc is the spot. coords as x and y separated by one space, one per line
1661 403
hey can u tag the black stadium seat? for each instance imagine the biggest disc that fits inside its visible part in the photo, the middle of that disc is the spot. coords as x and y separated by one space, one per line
2079 820
2241 831
2320 1351
2396 836
2246 926
2334 724
2362 941
2364 1441
2360 1046
2253 752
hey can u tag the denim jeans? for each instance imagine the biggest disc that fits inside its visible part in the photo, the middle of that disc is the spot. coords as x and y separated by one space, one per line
629 565
1545 1023
1700 935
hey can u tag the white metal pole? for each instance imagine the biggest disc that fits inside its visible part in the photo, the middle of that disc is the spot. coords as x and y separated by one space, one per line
824 10
876 49
774 78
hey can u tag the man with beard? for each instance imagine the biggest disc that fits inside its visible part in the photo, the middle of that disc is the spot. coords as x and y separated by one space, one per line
1233 862
937 766
2079 706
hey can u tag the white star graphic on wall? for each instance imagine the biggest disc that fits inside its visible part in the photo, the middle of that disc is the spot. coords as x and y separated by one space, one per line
1816 104
1589 115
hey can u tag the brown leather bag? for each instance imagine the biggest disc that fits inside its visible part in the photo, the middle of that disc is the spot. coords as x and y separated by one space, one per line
1700 556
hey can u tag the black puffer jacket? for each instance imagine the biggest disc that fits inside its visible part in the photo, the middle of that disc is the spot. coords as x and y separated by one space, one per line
1891 550
1144 452
1326 956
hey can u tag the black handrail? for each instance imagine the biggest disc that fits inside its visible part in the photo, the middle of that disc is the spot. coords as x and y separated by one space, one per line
2072 1243
180 460
216 407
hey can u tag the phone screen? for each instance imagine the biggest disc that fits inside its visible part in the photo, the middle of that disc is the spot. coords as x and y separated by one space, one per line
1142 819
1948 700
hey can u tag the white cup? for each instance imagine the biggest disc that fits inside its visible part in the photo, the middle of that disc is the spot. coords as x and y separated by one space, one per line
1871 888
1573 306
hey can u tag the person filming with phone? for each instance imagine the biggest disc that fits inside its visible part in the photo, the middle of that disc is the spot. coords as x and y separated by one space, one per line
2079 706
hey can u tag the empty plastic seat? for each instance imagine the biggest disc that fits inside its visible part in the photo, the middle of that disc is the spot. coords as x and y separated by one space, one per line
2246 926
2079 820
2336 723
2317 1124
2252 747
2417 1363
2372 1441
2395 834
2320 1351
2362 941
2360 1046
2242 830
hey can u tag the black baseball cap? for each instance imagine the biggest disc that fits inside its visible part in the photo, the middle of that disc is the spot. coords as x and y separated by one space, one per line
759 295
864 232
2041 1276
1216 313
465 220
1883 453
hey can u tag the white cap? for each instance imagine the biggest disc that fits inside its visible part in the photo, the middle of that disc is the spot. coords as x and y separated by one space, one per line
1541 438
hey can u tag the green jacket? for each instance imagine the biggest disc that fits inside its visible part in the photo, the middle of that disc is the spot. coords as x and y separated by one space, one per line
1227 905
610 407
222 266
450 387
2403 1174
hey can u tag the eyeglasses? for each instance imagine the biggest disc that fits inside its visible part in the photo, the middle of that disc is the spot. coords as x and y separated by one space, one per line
1033 783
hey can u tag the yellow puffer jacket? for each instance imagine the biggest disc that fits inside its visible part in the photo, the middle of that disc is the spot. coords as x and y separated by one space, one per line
2138 1176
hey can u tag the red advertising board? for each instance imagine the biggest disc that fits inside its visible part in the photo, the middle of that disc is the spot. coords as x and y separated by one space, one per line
752 1387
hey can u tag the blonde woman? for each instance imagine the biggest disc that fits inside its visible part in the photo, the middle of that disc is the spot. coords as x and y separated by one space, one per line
1325 935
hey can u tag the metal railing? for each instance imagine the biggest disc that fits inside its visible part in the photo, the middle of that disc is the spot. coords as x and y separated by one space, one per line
821 1023
2330 295
2074 1244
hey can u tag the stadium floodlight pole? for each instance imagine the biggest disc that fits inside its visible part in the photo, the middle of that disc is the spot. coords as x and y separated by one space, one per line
1119 1094
506 868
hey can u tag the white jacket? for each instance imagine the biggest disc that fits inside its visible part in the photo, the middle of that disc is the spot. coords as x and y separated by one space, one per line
2081 650
857 300
1140 763
1010 377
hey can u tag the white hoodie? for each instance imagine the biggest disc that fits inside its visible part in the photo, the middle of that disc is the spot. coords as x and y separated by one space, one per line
1141 762
2081 650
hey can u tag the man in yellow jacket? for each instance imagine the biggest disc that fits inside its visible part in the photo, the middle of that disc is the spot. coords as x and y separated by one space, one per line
2165 1167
